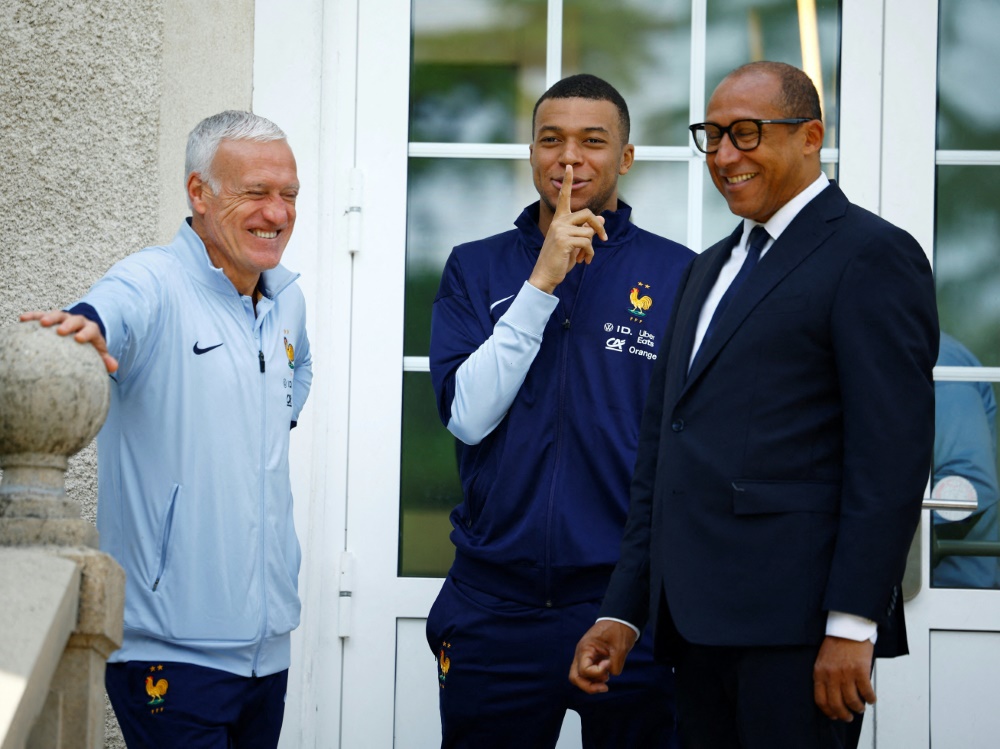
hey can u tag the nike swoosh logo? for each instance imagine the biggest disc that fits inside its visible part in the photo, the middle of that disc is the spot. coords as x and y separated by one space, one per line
200 351
500 301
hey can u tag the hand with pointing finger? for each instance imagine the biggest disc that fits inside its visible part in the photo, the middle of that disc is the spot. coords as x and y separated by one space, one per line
568 241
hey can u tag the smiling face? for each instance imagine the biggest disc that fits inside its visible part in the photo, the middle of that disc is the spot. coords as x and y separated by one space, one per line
247 223
757 183
584 133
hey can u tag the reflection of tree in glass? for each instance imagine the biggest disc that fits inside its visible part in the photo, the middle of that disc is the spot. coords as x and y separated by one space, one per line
614 40
967 229
742 31
470 103
968 67
967 234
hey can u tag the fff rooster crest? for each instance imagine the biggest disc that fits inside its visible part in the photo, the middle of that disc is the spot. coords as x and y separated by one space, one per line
640 304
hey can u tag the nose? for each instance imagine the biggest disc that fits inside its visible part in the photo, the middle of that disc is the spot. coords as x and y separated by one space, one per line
727 153
277 211
571 153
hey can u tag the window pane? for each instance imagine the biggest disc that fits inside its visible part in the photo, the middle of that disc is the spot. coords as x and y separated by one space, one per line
652 70
968 76
740 32
966 264
657 192
450 201
429 485
965 547
478 67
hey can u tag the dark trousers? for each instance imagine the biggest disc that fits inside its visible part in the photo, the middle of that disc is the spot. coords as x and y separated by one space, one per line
170 705
753 698
503 677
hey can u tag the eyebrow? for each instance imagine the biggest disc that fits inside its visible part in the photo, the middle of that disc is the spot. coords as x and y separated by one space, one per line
588 129
267 186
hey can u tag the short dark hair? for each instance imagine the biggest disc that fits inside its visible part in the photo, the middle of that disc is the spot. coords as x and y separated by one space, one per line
798 93
586 86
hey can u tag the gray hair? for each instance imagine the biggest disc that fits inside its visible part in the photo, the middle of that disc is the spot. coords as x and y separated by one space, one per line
204 140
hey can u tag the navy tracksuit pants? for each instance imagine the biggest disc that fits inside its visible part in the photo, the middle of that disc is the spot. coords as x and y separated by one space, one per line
503 671
167 705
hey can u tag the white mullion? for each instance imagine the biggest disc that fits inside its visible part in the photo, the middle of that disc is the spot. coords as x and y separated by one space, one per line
519 150
416 364
860 102
696 113
468 150
910 96
663 153
553 42
967 374
967 158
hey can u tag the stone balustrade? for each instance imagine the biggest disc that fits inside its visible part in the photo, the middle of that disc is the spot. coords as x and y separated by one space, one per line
62 598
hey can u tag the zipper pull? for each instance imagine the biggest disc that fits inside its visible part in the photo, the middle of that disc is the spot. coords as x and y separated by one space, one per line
260 356
566 323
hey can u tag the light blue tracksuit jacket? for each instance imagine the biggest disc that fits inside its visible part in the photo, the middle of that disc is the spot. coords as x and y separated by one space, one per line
194 499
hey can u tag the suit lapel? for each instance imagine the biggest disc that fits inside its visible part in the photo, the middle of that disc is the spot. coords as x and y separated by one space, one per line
704 271
807 232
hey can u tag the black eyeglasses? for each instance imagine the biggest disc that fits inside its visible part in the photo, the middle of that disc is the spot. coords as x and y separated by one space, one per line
743 134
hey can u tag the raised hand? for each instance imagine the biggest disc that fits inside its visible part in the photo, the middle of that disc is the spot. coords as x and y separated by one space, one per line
81 328
568 241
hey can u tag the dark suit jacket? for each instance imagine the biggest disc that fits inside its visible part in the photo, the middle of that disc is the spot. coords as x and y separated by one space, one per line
782 477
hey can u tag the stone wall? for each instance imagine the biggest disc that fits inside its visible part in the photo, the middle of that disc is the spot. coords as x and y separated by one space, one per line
96 100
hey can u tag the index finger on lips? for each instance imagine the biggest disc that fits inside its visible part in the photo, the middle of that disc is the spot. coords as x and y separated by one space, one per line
565 193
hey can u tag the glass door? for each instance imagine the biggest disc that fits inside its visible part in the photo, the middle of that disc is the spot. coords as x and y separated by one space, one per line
445 92
945 188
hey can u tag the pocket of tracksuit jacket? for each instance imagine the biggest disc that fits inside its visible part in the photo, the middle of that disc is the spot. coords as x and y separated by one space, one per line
168 522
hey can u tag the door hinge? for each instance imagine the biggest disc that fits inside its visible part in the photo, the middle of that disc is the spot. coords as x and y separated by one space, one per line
346 593
355 198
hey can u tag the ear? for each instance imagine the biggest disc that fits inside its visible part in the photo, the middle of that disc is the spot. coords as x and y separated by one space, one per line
628 158
196 193
814 131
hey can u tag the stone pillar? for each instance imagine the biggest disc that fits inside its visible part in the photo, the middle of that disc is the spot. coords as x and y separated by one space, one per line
54 396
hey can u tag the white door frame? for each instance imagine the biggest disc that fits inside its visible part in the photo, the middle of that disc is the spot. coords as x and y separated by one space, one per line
304 79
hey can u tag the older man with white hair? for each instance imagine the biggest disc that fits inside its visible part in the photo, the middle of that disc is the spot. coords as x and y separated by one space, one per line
205 343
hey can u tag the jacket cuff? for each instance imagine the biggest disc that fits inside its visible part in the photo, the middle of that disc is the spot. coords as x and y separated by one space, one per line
82 308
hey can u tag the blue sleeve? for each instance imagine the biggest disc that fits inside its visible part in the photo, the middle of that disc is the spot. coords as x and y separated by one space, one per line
477 371
963 442
125 302
90 313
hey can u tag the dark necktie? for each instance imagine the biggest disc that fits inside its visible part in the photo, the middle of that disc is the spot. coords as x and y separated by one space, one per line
755 244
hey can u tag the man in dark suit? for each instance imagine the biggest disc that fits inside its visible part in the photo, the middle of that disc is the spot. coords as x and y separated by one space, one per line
784 447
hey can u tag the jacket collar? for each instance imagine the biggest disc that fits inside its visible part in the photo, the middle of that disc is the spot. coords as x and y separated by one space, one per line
616 223
190 251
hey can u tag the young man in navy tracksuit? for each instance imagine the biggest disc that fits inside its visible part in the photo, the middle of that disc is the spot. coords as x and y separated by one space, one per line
543 340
